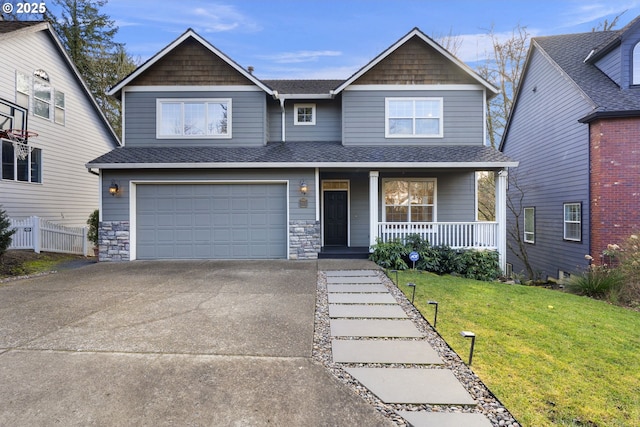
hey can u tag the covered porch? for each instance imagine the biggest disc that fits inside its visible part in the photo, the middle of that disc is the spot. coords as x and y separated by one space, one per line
357 209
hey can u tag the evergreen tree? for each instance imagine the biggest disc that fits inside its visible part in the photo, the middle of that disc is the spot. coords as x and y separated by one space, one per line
5 232
88 36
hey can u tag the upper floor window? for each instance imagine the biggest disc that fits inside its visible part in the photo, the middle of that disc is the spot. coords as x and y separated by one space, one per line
636 65
305 114
573 221
48 103
411 200
194 118
413 117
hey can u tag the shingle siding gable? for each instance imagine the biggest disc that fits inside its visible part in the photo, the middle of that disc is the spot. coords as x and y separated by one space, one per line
415 63
190 64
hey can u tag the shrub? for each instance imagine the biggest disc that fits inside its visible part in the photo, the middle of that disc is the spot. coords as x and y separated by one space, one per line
5 232
629 265
479 265
598 281
94 224
473 264
390 254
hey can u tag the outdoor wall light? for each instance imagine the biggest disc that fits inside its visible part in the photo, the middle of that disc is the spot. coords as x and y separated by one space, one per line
435 317
467 334
412 285
113 188
395 271
303 187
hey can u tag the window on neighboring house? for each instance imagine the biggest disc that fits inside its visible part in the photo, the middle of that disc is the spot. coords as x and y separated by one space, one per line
573 222
413 118
636 65
197 118
59 111
22 90
17 169
305 114
412 200
530 225
41 98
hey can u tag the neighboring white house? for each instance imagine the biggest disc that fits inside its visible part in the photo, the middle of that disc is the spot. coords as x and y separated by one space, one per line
42 92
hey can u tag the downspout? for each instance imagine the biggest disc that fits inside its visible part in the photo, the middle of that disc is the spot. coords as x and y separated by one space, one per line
284 137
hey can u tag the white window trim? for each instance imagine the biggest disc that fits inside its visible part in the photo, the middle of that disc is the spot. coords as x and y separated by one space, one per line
29 168
295 114
387 134
29 89
383 205
182 101
44 101
524 226
635 65
565 222
62 108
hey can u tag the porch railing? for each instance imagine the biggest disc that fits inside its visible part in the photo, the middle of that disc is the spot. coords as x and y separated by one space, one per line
477 235
39 235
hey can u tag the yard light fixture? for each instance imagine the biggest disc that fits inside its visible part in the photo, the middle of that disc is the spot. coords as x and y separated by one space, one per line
395 271
113 188
303 187
435 316
412 285
467 334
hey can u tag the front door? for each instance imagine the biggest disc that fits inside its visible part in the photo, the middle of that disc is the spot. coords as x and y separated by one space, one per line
335 218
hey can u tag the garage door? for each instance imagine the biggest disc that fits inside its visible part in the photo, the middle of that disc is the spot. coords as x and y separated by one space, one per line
211 221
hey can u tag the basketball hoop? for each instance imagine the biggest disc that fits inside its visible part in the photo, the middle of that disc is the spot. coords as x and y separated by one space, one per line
20 140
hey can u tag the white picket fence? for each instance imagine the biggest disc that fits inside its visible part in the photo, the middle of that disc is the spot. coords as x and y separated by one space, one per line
45 236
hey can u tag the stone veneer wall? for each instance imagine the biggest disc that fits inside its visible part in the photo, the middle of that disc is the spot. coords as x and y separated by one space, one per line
114 241
304 239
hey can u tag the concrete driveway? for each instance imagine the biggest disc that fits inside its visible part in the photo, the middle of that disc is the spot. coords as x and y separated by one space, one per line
169 343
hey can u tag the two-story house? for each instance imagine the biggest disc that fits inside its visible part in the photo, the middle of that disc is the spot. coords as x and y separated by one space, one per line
575 128
219 164
50 126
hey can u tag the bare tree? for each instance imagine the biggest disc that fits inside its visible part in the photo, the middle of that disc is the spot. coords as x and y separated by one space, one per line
450 41
515 205
486 195
503 68
606 25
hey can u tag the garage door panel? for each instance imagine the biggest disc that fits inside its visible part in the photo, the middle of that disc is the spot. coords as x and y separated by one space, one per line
209 221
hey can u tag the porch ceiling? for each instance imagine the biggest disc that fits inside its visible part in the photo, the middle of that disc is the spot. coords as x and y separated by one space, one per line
303 154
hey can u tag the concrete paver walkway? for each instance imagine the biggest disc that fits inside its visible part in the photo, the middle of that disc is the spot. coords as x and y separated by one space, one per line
356 317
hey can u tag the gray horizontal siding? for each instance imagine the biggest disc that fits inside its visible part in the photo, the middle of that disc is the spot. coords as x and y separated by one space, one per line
248 118
363 117
553 150
610 65
116 208
327 127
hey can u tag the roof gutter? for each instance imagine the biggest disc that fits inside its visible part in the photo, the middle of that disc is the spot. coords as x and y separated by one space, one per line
609 115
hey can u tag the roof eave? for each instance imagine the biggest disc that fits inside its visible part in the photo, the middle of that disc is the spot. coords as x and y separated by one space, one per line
272 165
609 115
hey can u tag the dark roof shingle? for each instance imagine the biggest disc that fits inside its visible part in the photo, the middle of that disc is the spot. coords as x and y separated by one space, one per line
302 153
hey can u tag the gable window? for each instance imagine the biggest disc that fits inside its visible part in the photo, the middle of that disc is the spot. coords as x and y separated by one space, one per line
413 117
636 65
194 118
58 104
305 114
411 200
530 225
573 222
41 98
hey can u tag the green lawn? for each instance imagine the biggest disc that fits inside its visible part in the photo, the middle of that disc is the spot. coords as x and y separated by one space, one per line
552 358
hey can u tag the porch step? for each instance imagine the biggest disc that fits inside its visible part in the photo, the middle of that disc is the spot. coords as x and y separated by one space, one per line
340 252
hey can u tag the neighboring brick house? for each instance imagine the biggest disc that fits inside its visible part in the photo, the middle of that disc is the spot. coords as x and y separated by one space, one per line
217 163
575 128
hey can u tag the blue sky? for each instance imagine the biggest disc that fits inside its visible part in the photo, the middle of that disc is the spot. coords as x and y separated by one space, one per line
333 38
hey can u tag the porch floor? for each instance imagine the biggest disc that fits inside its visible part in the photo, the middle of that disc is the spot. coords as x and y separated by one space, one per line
344 252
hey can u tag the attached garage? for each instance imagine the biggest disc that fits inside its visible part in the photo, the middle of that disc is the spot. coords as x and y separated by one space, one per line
211 220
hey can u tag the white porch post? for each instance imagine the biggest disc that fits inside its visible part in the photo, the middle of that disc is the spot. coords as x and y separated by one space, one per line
501 216
373 207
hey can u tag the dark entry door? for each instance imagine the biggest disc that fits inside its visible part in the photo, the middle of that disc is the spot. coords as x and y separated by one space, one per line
335 218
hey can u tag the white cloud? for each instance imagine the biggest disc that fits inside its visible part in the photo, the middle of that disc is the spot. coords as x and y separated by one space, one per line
300 56
581 12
